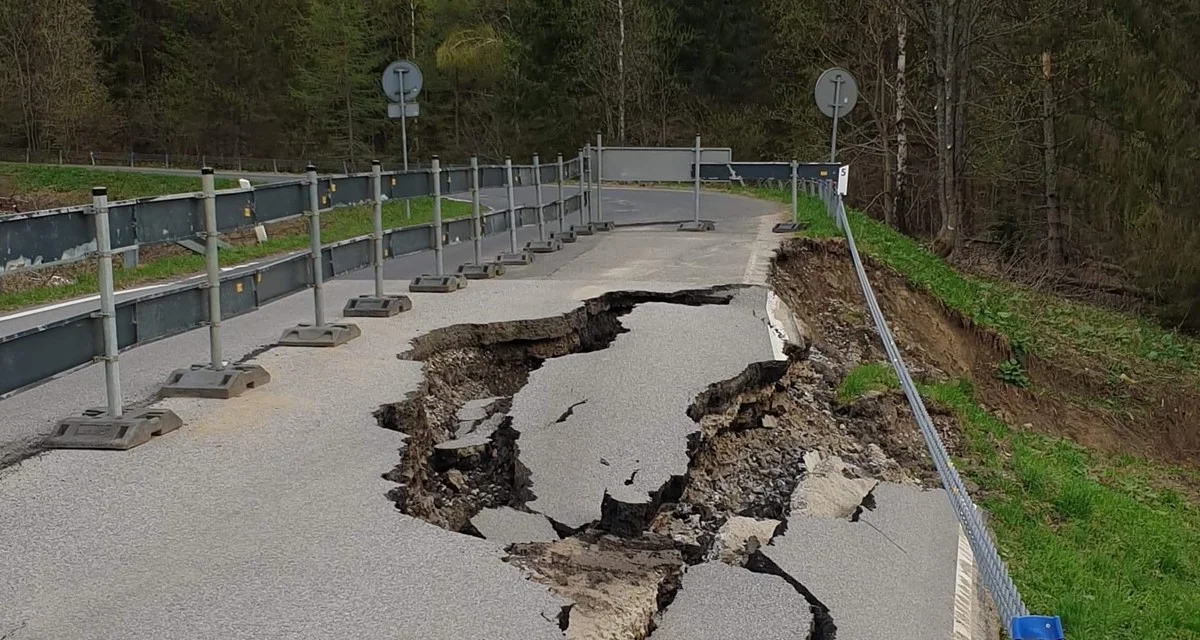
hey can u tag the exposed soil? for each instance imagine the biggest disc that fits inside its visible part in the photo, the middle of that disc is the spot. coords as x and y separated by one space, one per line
815 278
746 461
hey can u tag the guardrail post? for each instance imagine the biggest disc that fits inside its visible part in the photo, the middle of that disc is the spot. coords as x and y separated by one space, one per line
318 334
696 224
214 380
379 305
512 256
541 245
110 427
440 282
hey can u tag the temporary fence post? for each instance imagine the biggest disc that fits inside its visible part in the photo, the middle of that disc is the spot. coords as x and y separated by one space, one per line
379 305
599 177
695 224
582 188
537 187
108 311
318 334
314 246
562 201
542 244
212 267
476 223
377 224
478 270
435 173
696 212
512 205
585 178
112 427
795 195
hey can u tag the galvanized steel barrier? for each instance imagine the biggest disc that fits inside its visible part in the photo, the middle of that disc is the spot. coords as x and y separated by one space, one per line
56 236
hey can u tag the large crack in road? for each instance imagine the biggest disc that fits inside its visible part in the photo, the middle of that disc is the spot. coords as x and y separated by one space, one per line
516 435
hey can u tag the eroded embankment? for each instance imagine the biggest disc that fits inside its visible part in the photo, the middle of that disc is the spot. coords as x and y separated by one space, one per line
770 442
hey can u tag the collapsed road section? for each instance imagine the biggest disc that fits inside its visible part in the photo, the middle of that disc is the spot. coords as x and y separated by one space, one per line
643 455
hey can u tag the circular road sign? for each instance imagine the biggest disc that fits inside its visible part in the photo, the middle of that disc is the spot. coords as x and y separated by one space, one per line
402 75
838 85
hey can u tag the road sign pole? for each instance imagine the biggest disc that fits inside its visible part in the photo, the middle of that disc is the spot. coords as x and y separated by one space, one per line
562 200
837 96
108 312
212 266
696 212
314 234
404 138
435 173
476 223
537 187
377 223
512 205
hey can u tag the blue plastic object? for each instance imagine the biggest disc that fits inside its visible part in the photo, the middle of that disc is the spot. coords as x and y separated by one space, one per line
1037 628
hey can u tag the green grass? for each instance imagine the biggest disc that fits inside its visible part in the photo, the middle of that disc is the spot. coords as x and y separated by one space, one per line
73 185
1037 323
1107 543
339 224
876 376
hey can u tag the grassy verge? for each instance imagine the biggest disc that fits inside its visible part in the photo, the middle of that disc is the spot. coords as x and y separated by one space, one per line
73 185
1129 347
1103 542
336 225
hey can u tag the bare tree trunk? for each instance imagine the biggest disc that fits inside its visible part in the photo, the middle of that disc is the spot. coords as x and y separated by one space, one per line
899 194
1053 219
412 25
621 72
962 69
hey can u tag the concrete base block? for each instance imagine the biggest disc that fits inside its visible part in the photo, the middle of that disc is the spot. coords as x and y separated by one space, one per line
543 246
330 335
202 381
605 225
703 225
481 271
789 227
518 258
583 229
376 306
565 237
95 429
437 284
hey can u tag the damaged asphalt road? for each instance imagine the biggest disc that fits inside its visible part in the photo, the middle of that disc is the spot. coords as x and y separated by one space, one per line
647 458
290 513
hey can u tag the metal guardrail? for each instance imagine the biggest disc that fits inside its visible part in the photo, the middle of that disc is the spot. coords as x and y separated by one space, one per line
55 236
1013 612
42 353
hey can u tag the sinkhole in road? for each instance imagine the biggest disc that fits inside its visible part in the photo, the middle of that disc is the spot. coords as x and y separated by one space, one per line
745 462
